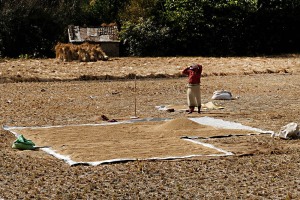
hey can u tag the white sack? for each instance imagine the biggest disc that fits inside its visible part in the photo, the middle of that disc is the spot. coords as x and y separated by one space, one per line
222 95
289 131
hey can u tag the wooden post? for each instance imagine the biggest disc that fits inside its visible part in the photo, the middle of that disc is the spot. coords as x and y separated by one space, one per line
135 100
135 95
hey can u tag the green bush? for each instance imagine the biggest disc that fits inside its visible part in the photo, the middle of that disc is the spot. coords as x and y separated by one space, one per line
145 38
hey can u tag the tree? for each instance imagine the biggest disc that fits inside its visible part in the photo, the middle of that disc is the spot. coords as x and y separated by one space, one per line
145 38
33 26
208 27
102 11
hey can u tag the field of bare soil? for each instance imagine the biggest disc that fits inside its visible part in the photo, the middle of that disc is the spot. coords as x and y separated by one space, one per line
48 92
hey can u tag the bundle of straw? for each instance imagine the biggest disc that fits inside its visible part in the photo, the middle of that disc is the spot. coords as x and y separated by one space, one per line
85 52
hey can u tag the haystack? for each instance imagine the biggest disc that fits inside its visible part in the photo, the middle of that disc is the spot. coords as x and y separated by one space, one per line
85 52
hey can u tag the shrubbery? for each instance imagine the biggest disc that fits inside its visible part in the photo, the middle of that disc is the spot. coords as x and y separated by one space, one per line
145 38
231 27
155 27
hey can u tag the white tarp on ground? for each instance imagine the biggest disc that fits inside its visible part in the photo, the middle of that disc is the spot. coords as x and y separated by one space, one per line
219 123
205 106
201 120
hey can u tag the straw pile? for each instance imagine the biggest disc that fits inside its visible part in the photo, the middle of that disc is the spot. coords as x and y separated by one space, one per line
83 53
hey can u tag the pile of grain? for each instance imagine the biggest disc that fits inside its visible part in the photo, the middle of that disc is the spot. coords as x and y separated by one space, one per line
179 124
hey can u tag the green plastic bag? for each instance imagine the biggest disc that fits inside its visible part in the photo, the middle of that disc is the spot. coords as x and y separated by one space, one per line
23 144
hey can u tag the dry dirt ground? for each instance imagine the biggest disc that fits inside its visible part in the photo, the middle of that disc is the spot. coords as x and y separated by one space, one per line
48 92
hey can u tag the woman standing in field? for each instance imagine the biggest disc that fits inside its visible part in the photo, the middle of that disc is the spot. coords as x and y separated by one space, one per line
193 88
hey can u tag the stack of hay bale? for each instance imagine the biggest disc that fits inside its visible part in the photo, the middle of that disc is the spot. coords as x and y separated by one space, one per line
85 52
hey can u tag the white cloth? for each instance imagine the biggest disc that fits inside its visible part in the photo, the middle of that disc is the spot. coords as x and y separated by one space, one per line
194 95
